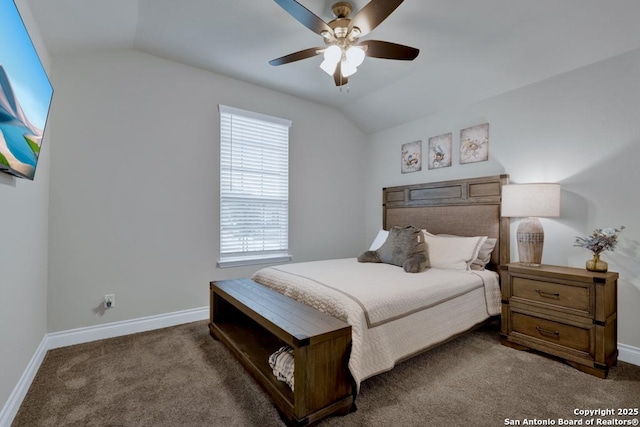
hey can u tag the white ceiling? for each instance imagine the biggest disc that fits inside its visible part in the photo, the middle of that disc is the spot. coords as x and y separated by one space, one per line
469 49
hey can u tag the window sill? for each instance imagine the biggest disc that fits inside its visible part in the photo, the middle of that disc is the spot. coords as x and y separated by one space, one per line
241 262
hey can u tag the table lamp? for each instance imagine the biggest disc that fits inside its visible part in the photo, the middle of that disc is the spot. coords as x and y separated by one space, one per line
530 201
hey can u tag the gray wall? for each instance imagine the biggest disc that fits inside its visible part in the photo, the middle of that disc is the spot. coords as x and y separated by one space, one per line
135 185
579 129
23 255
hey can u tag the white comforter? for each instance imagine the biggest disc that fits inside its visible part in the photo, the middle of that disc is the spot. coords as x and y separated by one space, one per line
393 314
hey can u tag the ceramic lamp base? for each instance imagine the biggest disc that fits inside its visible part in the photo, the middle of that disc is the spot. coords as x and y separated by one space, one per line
530 237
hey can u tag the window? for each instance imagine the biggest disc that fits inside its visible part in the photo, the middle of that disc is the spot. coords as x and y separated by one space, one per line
254 188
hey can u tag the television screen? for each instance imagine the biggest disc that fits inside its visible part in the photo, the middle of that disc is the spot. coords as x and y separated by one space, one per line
25 96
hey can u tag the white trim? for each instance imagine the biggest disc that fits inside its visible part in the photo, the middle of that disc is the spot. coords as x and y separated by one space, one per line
243 261
16 397
253 115
126 327
629 354
88 334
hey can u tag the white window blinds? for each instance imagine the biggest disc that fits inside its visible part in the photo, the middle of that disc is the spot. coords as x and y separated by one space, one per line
254 187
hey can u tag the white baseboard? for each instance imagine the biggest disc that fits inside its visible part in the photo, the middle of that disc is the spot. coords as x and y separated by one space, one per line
12 405
629 354
126 327
88 334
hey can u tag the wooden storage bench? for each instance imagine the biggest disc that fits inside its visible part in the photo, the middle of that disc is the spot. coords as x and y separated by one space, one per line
254 321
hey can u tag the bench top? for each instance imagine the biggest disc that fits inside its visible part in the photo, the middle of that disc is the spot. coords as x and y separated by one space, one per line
304 324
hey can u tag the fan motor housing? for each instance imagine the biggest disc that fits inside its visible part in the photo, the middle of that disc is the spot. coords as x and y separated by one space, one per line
342 9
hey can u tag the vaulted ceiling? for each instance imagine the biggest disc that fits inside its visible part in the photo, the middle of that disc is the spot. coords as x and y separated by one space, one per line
469 49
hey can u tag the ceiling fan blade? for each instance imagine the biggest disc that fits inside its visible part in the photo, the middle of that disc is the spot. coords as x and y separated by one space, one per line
388 50
370 16
338 78
297 56
305 16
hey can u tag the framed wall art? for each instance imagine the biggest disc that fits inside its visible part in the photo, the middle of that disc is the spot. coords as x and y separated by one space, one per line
411 157
474 144
440 151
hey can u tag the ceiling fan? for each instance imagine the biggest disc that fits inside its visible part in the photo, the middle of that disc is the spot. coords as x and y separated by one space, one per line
344 51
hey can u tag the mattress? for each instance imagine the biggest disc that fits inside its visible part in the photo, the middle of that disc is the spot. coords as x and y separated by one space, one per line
393 314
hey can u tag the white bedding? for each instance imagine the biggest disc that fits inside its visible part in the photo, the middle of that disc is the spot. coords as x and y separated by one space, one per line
393 314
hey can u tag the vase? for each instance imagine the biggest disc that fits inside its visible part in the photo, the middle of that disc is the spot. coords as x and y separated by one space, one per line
596 264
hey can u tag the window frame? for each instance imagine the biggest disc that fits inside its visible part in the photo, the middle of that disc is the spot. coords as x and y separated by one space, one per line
243 258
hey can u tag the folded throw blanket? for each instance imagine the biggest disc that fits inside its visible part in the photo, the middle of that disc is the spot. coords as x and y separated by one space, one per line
282 364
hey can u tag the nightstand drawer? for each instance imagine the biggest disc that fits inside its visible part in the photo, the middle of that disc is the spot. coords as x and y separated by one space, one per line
557 294
551 331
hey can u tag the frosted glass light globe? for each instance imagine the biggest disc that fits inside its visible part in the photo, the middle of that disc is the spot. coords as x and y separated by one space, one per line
333 54
348 68
355 55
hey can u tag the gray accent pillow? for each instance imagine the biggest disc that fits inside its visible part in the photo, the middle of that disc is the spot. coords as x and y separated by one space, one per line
404 247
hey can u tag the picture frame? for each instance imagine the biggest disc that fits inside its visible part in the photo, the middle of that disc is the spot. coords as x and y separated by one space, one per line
474 144
440 151
411 157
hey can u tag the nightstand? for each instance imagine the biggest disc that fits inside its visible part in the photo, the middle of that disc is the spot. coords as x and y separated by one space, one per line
569 313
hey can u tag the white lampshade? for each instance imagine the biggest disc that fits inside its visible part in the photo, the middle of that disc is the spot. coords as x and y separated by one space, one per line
531 200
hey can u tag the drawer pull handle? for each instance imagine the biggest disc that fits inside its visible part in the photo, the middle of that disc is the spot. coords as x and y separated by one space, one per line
542 331
548 294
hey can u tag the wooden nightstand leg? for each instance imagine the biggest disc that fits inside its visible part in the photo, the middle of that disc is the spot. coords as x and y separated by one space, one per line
597 372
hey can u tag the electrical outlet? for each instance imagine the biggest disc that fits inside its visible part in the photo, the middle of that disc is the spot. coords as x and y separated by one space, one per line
109 300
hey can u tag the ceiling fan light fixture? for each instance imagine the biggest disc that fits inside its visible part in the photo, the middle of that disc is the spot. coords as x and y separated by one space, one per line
348 68
332 55
355 55
344 52
354 34
329 67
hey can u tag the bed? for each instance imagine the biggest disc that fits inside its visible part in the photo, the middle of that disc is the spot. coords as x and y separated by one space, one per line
435 305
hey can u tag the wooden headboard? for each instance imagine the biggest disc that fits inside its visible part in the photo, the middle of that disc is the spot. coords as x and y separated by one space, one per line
464 207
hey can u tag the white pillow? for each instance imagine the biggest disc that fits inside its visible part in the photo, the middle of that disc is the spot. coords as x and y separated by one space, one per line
379 240
452 253
484 254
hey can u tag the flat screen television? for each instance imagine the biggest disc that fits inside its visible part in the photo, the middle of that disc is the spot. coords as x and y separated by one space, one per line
25 96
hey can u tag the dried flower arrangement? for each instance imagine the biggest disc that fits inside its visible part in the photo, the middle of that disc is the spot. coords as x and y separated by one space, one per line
600 240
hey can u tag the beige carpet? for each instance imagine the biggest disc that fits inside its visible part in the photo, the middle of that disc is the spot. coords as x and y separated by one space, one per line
180 376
